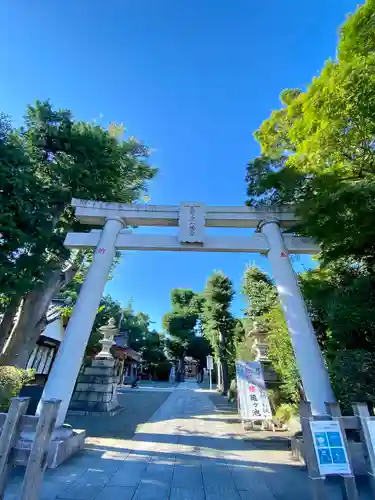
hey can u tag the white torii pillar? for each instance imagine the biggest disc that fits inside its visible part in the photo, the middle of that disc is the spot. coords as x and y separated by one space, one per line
65 369
309 358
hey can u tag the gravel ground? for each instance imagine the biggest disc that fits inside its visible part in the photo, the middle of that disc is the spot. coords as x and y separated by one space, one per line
138 408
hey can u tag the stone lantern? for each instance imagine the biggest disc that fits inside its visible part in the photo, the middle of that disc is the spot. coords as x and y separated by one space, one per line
96 389
260 347
108 331
260 344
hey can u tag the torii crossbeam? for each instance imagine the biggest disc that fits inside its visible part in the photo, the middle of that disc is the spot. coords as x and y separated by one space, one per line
191 221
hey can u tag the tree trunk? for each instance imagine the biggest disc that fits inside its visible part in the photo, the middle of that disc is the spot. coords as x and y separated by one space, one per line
223 365
32 321
8 322
224 372
182 369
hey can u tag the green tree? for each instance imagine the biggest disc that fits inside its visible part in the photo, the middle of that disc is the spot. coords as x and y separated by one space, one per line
180 325
51 159
352 376
263 312
281 355
153 353
260 293
317 151
199 348
136 326
317 156
219 324
340 299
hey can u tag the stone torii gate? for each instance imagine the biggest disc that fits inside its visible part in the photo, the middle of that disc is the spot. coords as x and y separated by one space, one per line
191 219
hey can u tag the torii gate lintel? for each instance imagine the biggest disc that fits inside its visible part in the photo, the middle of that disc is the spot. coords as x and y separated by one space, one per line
192 219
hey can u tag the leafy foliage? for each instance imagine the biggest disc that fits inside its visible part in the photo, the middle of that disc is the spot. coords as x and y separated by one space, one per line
264 313
180 324
45 163
340 299
218 322
317 151
162 370
199 348
42 166
12 380
317 156
281 355
259 291
142 339
352 376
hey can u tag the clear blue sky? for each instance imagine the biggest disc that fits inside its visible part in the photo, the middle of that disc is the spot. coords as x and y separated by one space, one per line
193 79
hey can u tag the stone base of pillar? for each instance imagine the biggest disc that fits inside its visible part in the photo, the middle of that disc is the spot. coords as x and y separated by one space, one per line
96 390
59 449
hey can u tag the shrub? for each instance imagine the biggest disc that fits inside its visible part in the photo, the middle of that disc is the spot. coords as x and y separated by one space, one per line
162 370
285 412
352 376
11 381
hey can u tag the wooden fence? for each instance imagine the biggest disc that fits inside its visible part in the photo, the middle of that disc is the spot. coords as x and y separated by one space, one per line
37 462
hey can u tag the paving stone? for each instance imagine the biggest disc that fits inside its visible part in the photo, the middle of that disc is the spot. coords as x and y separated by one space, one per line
165 458
134 457
187 476
218 477
87 487
116 493
160 478
259 491
219 488
187 494
250 481
227 495
152 491
84 463
130 474
186 451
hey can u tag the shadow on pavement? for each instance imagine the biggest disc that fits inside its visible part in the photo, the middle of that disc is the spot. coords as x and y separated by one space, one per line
137 410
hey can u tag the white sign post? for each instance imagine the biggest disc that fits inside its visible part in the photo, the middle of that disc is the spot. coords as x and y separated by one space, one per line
251 390
210 367
330 448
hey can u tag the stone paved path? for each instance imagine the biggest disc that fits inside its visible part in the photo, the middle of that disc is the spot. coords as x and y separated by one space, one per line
187 451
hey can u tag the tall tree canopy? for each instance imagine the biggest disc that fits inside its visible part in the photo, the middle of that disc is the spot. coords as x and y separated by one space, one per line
180 324
51 159
219 325
340 299
263 312
317 151
317 156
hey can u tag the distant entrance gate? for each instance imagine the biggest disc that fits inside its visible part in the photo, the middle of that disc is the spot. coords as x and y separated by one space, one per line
191 219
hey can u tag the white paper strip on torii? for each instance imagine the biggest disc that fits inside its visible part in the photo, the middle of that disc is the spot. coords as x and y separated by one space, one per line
191 223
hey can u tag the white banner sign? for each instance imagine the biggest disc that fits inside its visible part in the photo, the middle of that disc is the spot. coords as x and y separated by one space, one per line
251 391
210 362
329 448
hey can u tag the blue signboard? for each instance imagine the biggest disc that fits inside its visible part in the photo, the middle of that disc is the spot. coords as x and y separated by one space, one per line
329 448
